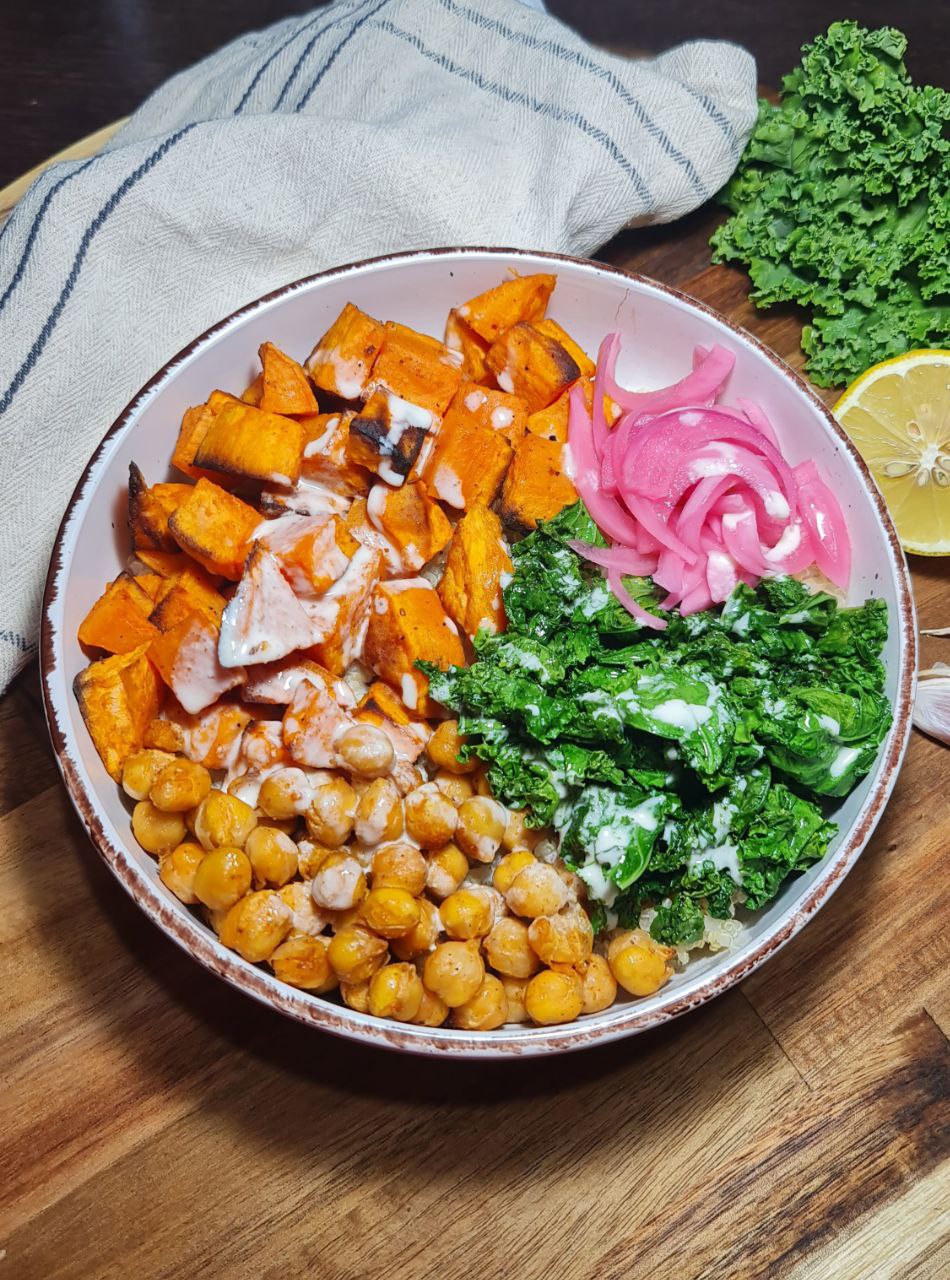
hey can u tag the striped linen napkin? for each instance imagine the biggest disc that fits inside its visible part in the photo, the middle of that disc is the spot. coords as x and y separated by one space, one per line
364 127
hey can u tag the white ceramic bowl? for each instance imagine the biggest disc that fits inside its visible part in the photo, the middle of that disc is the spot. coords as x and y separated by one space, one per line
660 327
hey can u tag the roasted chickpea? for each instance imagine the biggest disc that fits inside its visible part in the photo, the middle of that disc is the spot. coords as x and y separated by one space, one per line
495 900
378 813
518 835
465 914
598 984
576 888
508 867
444 746
355 995
223 877
157 832
180 786
406 777
454 786
481 825
454 972
553 996
331 815
395 991
141 769
447 868
355 954
565 938
256 925
482 785
221 819
639 963
399 866
311 856
514 994
273 857
301 961
338 883
288 793
176 870
391 912
508 948
432 1012
487 1008
366 751
430 817
423 937
537 890
307 916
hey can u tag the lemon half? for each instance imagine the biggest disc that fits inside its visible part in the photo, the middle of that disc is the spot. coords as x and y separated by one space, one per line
898 415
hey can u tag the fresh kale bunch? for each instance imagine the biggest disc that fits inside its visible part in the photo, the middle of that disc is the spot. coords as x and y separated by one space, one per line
841 204
682 769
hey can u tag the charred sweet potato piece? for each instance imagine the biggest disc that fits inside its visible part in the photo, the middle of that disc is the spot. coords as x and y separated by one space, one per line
319 712
523 298
342 359
149 510
386 436
467 462
532 365
119 697
410 520
255 445
215 528
313 551
151 583
494 410
118 622
286 387
551 423
406 623
463 339
576 352
342 611
477 566
186 657
416 368
194 427
306 498
254 393
537 486
182 597
325 455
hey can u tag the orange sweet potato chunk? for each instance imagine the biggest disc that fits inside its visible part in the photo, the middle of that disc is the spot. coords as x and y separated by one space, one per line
344 611
551 423
253 444
493 410
475 569
194 427
119 697
407 622
186 657
254 393
416 368
325 455
461 338
536 486
577 353
150 583
286 388
118 622
215 528
149 510
523 298
386 436
467 462
411 521
342 359
182 597
383 707
532 365
313 555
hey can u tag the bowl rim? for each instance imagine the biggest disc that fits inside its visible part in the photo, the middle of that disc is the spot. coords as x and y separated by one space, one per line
514 1040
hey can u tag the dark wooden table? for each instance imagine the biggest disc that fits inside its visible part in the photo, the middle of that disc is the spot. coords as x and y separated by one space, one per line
155 1123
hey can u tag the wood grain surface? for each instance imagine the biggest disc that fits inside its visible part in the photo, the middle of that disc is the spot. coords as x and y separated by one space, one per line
154 1123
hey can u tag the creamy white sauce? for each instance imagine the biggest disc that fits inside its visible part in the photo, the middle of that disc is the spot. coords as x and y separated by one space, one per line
787 543
263 621
502 417
843 761
682 715
724 857
322 443
474 401
197 677
409 690
830 725
447 485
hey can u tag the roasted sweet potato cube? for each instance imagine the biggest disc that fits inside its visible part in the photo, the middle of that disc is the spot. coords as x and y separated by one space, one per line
476 568
263 621
254 393
342 612
166 564
118 622
255 445
494 410
149 510
537 485
576 352
313 551
360 527
386 436
215 528
341 361
273 683
467 462
194 427
179 600
186 657
164 735
551 423
416 368
286 386
383 707
461 338
151 583
319 712
406 623
523 298
119 697
411 521
325 455
306 498
532 365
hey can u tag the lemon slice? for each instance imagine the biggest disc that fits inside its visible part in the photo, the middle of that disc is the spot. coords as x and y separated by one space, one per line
898 415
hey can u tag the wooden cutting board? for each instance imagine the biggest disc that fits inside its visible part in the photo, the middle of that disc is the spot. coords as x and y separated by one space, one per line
155 1123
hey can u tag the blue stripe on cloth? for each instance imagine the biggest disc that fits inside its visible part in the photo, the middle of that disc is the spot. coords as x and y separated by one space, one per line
714 114
340 17
16 641
90 234
524 100
268 61
595 68
335 54
34 230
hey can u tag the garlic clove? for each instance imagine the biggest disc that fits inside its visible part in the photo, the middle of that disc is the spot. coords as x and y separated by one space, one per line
932 704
